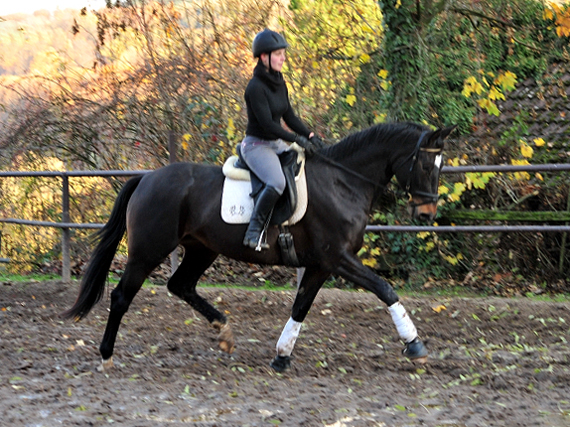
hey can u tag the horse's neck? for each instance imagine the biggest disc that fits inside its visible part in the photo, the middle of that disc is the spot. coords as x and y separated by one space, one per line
349 179
372 167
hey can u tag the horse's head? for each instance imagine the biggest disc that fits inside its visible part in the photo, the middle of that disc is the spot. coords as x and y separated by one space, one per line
419 174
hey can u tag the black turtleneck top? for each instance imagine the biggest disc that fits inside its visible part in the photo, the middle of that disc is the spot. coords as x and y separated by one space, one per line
267 101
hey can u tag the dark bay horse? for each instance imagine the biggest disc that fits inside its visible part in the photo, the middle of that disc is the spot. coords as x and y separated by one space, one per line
180 205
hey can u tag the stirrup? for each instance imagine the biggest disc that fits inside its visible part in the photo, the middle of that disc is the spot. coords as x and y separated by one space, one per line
262 241
258 243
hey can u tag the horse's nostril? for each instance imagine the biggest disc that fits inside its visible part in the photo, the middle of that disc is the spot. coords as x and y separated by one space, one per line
425 217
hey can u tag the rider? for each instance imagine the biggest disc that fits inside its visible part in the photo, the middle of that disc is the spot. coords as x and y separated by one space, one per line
267 102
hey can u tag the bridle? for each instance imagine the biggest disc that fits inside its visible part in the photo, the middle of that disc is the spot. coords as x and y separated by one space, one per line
428 197
431 197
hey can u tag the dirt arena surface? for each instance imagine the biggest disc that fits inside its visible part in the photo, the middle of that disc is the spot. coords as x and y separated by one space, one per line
494 362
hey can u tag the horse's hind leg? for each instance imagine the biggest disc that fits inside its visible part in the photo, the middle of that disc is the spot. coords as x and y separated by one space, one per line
197 258
121 299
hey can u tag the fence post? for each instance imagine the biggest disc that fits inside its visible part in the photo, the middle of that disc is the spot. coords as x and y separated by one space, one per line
66 235
564 237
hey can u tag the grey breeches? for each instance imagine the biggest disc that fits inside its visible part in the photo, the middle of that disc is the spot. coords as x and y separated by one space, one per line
261 158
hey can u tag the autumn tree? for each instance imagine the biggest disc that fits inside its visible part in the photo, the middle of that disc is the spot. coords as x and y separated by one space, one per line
431 47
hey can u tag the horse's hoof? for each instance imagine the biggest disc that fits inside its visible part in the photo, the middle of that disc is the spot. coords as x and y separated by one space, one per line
225 337
281 363
106 365
416 350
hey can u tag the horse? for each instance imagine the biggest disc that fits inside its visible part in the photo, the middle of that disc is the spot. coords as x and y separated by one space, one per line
179 204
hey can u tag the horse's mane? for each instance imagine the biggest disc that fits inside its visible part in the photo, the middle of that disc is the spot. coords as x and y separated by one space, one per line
384 132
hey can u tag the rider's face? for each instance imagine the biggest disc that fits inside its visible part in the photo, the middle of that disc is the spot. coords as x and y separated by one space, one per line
277 59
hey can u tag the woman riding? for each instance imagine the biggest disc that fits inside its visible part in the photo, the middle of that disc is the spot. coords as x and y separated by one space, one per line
267 101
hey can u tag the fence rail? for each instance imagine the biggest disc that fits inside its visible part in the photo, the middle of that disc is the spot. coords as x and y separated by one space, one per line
66 225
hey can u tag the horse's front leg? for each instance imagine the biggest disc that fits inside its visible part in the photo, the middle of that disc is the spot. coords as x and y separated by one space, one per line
307 290
351 268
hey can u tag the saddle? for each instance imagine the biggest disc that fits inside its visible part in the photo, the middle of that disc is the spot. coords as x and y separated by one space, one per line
242 187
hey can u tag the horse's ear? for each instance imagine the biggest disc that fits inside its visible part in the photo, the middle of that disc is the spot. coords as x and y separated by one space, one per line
440 134
446 131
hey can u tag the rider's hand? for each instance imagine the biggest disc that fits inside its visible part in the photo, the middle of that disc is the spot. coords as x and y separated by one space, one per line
306 144
317 141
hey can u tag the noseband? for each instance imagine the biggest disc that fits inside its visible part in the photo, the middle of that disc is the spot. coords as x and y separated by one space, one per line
429 197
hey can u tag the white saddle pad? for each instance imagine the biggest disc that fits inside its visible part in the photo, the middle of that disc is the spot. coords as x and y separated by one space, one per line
237 204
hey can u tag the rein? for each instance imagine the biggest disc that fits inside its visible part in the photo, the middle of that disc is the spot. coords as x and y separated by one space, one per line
348 170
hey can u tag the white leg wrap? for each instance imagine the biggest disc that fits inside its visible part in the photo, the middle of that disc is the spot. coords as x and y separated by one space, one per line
404 324
288 338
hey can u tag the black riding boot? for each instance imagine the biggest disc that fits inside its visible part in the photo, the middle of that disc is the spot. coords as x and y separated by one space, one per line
265 203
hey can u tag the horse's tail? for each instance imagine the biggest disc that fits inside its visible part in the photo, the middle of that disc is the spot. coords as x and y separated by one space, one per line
109 237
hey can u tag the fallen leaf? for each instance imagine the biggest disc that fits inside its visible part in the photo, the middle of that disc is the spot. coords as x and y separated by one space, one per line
439 308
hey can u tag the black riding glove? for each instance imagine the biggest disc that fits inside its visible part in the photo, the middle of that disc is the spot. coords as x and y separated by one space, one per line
317 142
306 144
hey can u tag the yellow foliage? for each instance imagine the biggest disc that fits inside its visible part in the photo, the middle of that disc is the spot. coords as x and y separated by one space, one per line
458 187
350 99
453 162
458 190
185 141
471 85
548 14
503 83
383 74
526 150
439 308
539 142
489 105
563 27
230 129
454 260
561 16
379 118
369 262
520 176
495 93
507 81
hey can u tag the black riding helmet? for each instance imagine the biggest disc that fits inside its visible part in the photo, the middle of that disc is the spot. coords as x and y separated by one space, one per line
267 41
